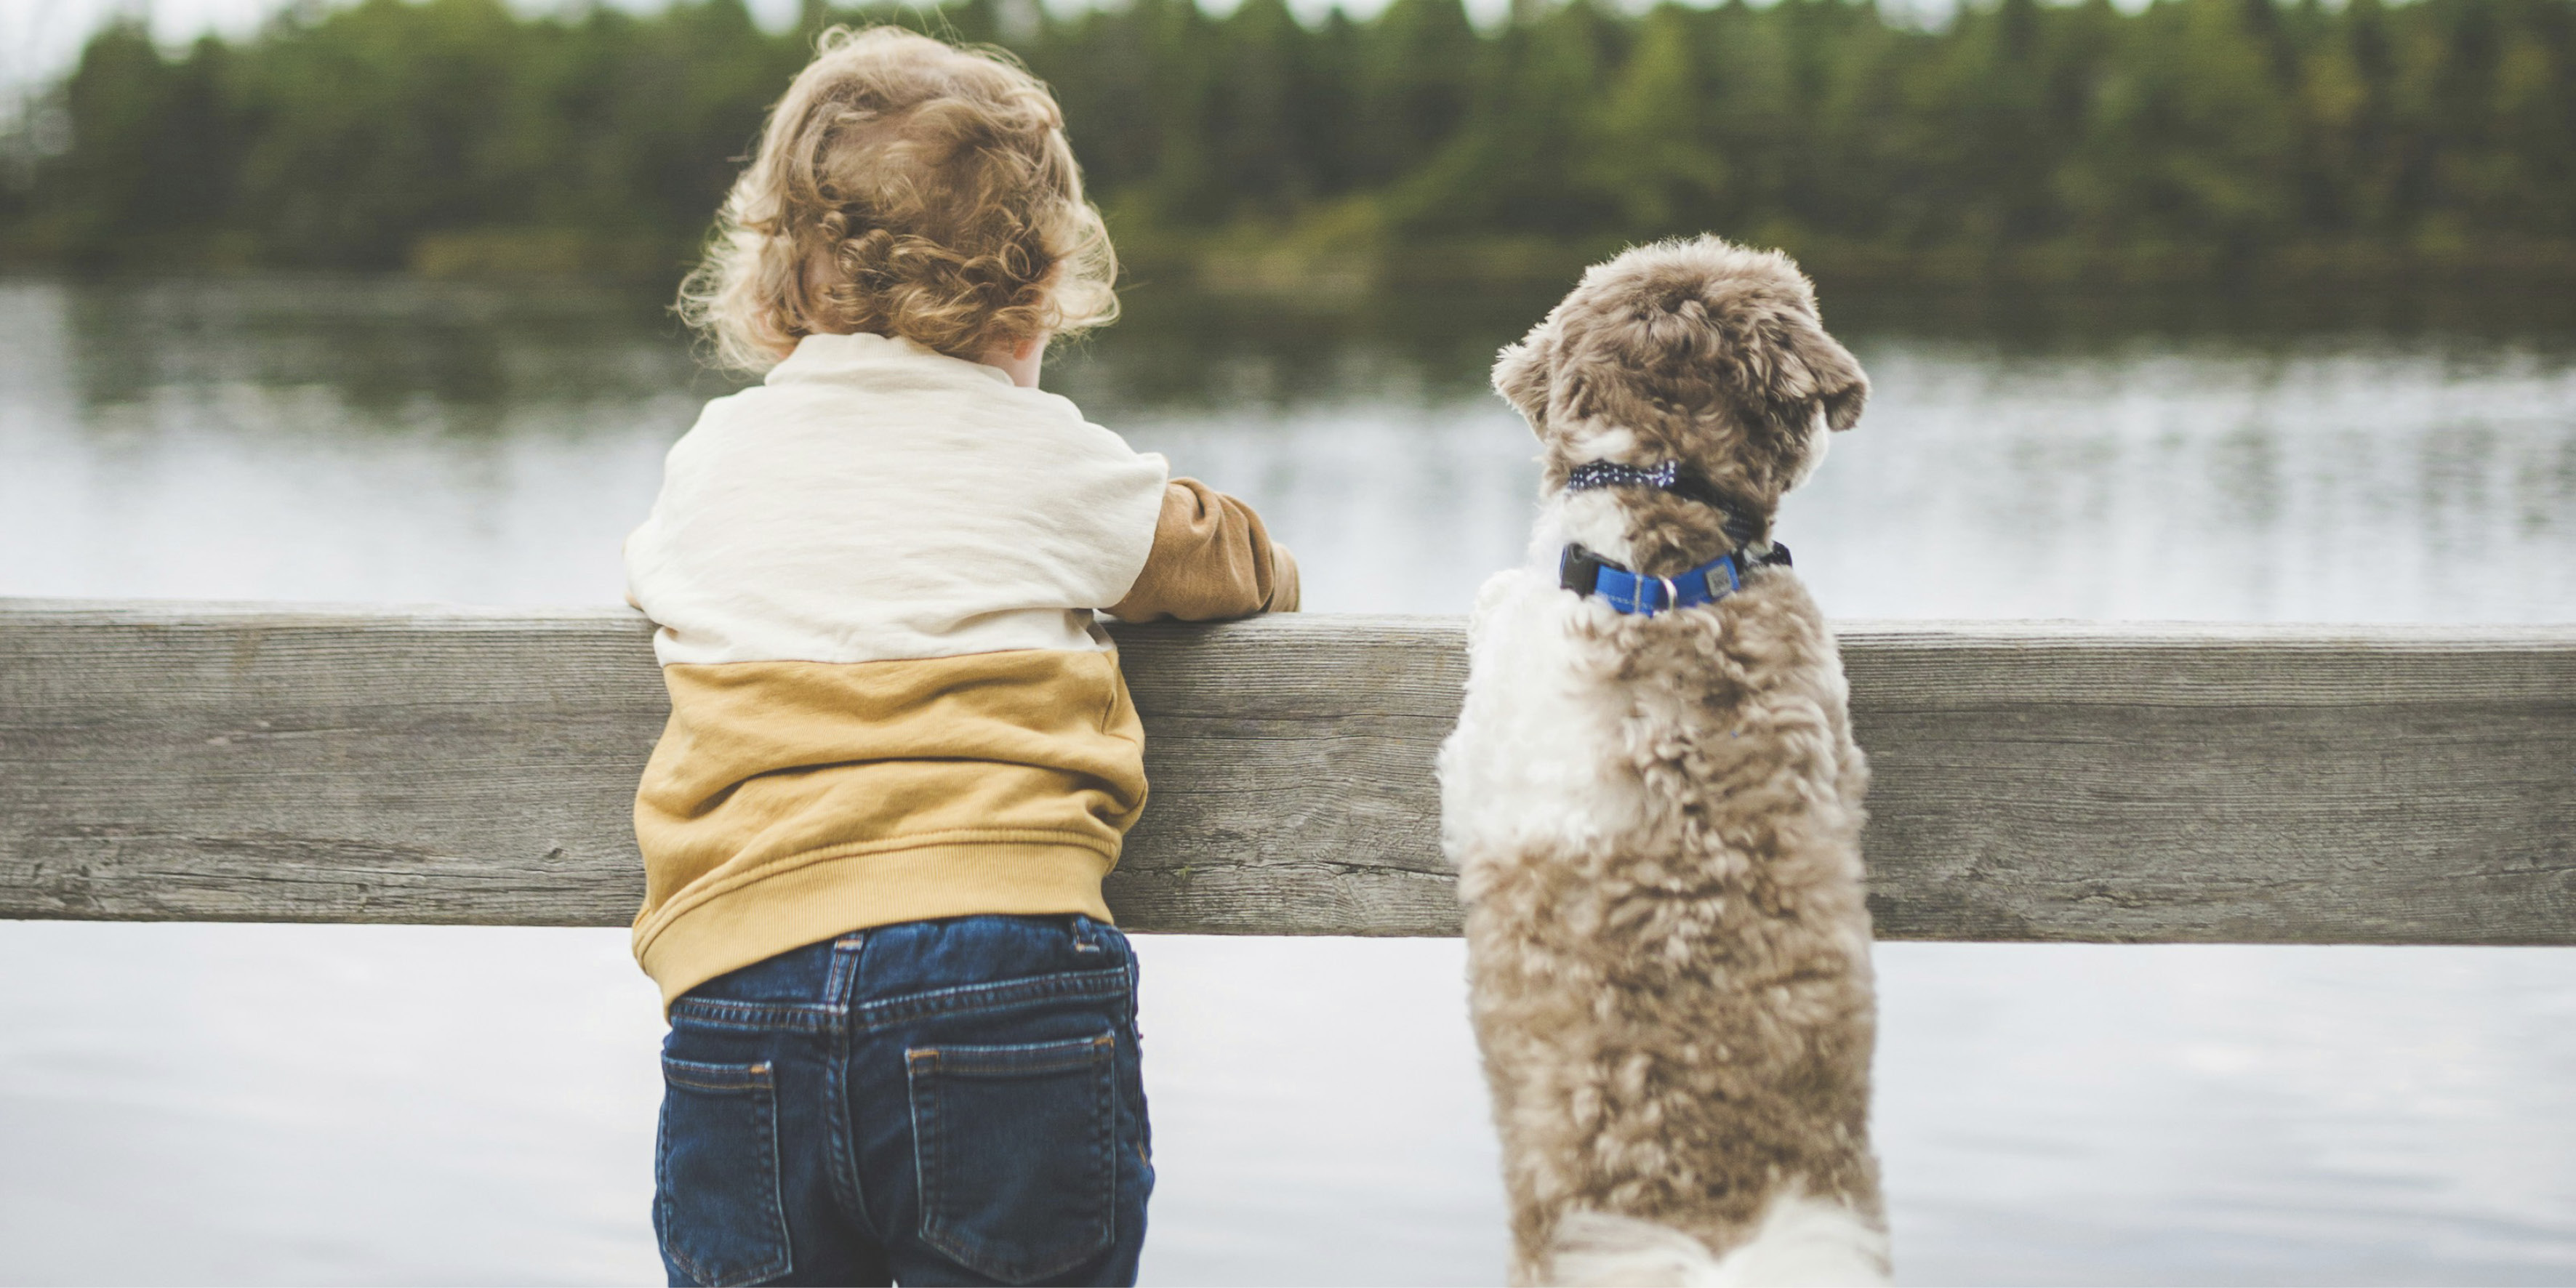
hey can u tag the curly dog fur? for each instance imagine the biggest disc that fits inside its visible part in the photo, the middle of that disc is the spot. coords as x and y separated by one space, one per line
1656 819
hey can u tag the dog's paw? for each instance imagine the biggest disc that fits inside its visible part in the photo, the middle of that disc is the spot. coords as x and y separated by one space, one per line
1598 1250
1801 1241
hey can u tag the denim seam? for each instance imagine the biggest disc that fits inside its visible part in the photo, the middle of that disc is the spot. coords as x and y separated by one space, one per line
721 1088
841 1133
922 1147
967 999
663 1218
756 1077
722 1013
1081 1053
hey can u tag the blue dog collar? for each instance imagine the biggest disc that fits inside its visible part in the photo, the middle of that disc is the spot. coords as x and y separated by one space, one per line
1586 573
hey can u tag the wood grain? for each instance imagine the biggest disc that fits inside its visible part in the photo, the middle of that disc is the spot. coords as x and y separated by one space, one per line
2034 781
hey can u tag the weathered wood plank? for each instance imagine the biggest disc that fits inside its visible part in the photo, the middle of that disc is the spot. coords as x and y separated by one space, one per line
2220 784
2061 781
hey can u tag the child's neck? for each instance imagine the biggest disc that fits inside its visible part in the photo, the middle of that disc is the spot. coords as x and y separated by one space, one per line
1019 362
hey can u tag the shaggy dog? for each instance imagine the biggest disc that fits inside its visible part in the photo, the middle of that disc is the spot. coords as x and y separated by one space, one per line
1654 801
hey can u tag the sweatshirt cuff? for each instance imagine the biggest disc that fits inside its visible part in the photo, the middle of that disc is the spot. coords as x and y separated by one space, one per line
1212 558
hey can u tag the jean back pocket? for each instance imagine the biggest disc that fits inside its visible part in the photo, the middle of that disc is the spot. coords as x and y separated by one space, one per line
1016 1150
716 1208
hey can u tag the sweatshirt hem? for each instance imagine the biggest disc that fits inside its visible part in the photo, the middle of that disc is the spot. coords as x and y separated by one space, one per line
822 893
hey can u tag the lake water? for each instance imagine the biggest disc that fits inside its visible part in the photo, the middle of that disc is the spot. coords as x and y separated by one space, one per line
308 1104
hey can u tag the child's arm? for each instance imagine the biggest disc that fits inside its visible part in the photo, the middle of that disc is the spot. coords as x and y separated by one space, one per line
631 601
1212 559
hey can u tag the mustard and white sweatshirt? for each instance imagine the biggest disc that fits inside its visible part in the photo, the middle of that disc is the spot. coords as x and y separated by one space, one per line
874 576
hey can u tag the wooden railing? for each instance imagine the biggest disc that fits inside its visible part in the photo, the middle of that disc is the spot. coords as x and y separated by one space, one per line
2033 781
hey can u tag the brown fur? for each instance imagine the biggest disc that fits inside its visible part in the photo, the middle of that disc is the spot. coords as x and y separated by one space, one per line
1675 1007
1708 354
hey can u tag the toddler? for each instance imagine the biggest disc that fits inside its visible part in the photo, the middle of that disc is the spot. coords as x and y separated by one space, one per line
900 754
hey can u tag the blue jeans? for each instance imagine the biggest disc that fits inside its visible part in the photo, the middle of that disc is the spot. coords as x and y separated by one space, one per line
938 1102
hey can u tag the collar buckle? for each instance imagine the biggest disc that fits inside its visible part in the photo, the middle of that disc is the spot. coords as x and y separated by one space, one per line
1589 574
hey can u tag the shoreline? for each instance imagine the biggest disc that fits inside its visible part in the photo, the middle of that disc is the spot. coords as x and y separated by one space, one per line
1316 262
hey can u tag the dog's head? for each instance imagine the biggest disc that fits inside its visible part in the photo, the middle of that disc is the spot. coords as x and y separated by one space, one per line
1698 352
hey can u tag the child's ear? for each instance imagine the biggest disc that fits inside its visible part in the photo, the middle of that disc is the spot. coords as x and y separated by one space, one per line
1521 374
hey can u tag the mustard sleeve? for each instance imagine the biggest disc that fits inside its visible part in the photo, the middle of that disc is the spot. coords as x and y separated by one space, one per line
1212 559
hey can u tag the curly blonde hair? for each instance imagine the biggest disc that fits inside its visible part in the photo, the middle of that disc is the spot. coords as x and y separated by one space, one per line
904 187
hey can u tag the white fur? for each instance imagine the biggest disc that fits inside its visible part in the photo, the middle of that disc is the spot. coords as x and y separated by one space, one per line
1597 520
1820 440
1595 439
1533 764
1801 1241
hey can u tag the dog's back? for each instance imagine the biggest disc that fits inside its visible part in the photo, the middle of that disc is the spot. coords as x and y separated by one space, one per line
1656 814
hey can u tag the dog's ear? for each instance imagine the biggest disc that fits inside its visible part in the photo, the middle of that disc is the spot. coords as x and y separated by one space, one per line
1521 373
1814 367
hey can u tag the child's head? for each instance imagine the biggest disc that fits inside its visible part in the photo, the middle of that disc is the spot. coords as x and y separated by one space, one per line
909 188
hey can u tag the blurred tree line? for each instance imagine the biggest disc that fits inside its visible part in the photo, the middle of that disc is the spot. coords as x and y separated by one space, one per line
2188 138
